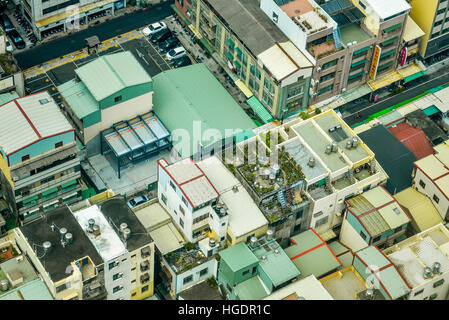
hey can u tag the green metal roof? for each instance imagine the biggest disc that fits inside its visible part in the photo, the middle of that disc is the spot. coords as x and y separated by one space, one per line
50 191
307 240
69 183
111 73
251 289
238 256
413 77
259 109
191 97
78 98
372 256
431 110
393 27
6 97
33 290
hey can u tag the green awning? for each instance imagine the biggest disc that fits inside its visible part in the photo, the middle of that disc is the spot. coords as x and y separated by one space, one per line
252 69
390 41
394 27
206 45
180 14
230 56
239 52
237 64
388 53
50 191
431 110
30 199
358 63
413 76
385 65
69 184
362 50
358 74
259 109
231 43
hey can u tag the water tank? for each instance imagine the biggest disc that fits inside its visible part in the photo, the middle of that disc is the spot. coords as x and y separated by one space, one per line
253 242
68 238
4 285
126 233
91 223
47 246
436 268
272 178
328 149
212 242
349 144
334 146
96 230
355 142
123 226
369 294
270 234
300 298
427 273
62 233
311 162
263 258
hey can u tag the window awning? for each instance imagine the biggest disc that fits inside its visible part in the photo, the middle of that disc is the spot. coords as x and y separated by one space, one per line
393 27
230 56
231 43
239 52
259 109
431 110
206 45
30 199
358 63
50 191
413 76
362 50
387 54
390 41
358 74
237 64
68 184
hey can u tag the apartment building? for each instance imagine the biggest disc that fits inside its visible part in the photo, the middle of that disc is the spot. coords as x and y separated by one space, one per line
110 90
433 18
313 167
377 217
430 177
40 168
254 52
192 200
60 251
46 16
423 263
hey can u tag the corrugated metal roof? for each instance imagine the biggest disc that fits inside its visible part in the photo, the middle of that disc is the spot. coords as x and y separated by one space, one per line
108 74
26 120
413 138
78 98
251 289
33 290
238 256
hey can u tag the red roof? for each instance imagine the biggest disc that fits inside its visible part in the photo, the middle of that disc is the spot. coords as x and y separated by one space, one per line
413 138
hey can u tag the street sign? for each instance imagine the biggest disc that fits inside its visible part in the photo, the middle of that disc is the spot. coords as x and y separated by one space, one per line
403 56
375 62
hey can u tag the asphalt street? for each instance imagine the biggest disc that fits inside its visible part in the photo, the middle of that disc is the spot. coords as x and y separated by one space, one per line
367 109
104 31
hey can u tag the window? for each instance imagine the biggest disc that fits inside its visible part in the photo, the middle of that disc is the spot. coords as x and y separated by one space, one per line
228 237
133 281
113 264
133 256
163 198
376 239
133 294
275 17
118 99
204 272
26 157
321 221
58 144
397 229
325 89
145 288
223 224
60 288
435 198
418 292
181 223
117 276
363 235
329 64
362 5
244 273
422 184
433 296
133 269
117 289
181 209
187 279
327 77
184 200
172 185
438 283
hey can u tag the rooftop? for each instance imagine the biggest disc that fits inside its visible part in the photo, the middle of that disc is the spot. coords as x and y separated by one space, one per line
33 290
422 250
111 73
413 138
353 33
419 207
191 180
181 92
238 256
387 274
419 119
251 289
152 216
167 238
343 253
411 30
201 291
308 288
116 209
80 100
58 258
27 120
312 255
185 258
378 211
108 243
387 8
393 156
344 284
435 165
237 200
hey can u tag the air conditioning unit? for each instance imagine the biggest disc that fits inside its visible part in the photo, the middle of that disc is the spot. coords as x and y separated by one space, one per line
19 259
343 90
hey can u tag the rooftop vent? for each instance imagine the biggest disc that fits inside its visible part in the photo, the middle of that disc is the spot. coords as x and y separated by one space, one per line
62 233
47 246
334 146
328 149
96 230
43 101
427 273
235 189
311 162
123 226
436 268
253 242
276 252
91 223
355 142
349 144
369 294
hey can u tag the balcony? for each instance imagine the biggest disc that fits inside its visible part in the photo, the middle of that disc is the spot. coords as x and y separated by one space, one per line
319 192
323 49
343 183
144 266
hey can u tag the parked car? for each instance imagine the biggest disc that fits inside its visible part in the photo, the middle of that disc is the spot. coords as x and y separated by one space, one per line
9 47
182 62
160 36
153 28
168 44
6 23
175 53
17 39
137 201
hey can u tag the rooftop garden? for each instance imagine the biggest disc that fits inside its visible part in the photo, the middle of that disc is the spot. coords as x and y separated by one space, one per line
186 258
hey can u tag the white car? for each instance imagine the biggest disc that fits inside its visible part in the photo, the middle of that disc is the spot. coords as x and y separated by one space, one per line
175 53
153 28
9 47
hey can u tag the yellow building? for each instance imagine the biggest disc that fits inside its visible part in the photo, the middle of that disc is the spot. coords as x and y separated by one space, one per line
430 16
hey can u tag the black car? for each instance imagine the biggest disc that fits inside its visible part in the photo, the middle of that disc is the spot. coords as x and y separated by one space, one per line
168 44
17 39
182 62
160 36
6 23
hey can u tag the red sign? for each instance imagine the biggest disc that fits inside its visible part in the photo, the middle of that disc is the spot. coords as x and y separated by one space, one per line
403 56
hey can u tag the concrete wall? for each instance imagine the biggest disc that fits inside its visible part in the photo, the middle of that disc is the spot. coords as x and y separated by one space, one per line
430 190
211 266
350 238
122 267
137 286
